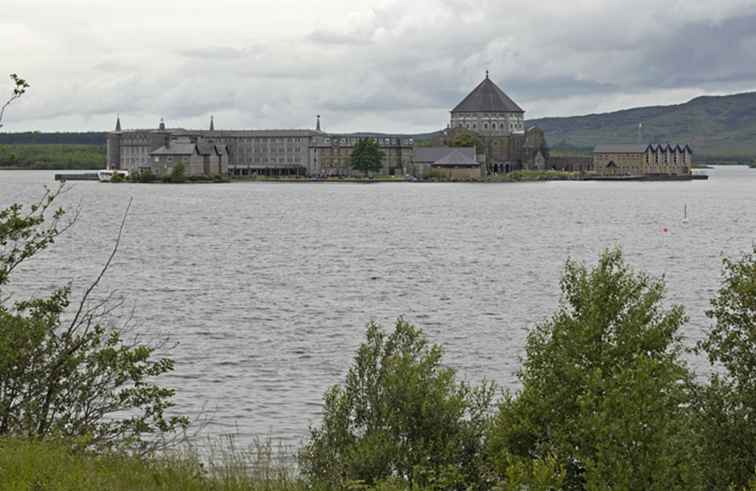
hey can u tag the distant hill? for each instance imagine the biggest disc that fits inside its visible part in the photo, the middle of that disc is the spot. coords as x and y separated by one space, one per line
717 127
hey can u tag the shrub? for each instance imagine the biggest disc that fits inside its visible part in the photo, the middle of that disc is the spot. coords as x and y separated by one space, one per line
400 415
603 386
178 173
64 372
727 405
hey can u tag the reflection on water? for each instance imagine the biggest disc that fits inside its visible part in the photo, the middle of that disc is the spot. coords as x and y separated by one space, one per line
266 288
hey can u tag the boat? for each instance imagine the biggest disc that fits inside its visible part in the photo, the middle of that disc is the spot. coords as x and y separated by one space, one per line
106 175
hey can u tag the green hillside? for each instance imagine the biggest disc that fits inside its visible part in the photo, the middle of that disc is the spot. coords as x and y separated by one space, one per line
53 157
719 128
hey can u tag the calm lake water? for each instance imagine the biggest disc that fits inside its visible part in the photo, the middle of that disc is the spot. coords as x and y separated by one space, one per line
266 288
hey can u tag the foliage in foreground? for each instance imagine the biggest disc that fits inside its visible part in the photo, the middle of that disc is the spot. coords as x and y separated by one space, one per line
604 388
64 371
727 405
26 464
400 415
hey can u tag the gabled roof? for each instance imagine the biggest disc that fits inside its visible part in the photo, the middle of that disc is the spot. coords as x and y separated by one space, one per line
209 148
621 148
457 157
639 148
429 155
176 148
487 97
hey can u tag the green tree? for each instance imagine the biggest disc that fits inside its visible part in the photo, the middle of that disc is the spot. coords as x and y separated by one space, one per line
64 372
727 405
466 138
603 386
401 415
19 88
367 156
178 173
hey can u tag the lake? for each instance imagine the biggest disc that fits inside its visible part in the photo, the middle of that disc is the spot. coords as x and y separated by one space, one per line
264 289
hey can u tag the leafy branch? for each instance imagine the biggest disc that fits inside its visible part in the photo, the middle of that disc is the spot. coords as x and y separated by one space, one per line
20 86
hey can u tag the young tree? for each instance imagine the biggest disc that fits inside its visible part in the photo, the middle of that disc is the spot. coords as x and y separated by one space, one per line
466 138
19 88
400 415
603 386
727 405
63 371
367 156
178 173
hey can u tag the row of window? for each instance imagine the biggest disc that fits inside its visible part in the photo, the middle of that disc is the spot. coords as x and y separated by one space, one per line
501 126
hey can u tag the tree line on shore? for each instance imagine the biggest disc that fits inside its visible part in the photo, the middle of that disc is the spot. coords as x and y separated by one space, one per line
606 400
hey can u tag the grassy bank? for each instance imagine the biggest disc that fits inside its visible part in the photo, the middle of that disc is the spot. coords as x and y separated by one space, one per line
534 176
54 466
52 157
47 465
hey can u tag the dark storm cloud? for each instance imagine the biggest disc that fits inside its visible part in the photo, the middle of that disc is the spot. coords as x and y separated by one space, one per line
704 53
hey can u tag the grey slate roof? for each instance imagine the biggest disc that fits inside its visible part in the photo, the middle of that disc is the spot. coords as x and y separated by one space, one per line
487 97
457 158
176 148
620 148
207 148
429 155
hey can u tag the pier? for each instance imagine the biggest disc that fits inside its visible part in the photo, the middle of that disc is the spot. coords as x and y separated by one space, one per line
82 176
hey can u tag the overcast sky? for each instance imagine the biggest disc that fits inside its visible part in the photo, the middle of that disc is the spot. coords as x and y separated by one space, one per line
381 65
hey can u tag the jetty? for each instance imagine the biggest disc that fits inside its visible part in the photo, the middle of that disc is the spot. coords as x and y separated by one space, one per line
81 176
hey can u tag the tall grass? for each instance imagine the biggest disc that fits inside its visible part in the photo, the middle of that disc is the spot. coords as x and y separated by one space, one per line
36 465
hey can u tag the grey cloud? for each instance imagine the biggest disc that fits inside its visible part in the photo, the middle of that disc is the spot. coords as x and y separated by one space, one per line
403 66
335 38
214 53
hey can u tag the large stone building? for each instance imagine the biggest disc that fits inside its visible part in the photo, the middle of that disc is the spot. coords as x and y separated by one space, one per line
496 124
332 153
256 152
642 160
486 119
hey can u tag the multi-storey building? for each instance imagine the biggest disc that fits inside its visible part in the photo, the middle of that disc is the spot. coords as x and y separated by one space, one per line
332 153
642 160
259 152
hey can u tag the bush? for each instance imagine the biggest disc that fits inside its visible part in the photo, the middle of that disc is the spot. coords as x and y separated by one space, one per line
143 175
400 415
727 405
178 173
63 371
604 388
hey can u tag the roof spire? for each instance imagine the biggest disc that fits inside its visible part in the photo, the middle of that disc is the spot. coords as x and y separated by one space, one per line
118 122
317 125
162 124
486 74
212 123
